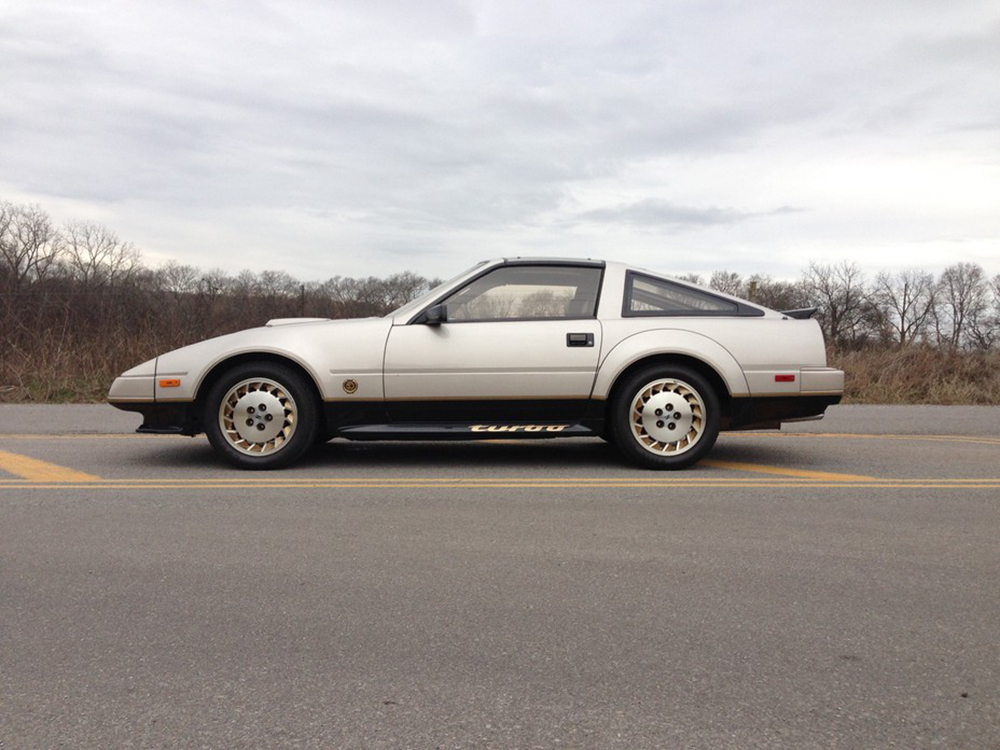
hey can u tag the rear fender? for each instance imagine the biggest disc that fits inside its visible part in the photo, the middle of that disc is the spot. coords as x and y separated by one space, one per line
670 341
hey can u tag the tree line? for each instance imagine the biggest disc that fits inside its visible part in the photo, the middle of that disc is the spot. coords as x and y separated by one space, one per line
79 305
957 310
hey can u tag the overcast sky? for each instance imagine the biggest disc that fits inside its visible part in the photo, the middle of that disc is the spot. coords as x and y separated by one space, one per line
372 136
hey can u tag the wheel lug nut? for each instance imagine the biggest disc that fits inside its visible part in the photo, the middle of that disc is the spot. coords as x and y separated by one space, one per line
677 415
250 410
249 423
268 418
659 412
669 407
659 423
262 407
671 426
260 426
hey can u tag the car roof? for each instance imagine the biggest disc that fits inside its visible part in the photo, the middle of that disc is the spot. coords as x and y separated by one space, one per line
543 261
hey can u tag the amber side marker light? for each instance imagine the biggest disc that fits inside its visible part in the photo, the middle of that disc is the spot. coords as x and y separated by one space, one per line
170 383
777 379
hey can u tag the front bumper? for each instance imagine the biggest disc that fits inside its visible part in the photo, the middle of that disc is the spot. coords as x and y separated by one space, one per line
135 390
163 418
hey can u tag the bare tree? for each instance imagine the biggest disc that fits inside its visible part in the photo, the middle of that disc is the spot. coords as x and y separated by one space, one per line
775 293
95 256
213 283
984 331
273 284
400 288
906 300
963 295
29 246
245 284
692 278
177 278
840 293
727 282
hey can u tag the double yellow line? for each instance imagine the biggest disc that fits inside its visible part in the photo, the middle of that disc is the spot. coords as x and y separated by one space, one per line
258 481
37 474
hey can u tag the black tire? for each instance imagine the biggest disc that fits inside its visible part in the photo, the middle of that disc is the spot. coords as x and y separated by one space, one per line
688 428
261 415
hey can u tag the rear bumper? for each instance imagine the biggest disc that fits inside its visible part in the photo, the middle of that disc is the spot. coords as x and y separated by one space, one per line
817 380
768 412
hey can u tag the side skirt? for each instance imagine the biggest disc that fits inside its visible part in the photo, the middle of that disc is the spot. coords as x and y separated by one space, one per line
464 420
463 431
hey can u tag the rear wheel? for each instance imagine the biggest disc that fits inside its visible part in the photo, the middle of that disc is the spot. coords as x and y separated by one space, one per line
665 417
261 415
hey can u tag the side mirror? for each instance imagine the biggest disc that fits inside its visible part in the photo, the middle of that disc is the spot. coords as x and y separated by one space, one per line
436 315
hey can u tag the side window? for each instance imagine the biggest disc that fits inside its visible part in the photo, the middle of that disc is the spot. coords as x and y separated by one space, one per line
528 293
645 295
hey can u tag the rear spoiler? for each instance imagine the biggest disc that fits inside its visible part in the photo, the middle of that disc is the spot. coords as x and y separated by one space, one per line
803 313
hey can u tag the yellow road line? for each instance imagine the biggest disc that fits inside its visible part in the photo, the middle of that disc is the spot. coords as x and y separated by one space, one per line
242 478
576 482
89 436
507 485
977 439
826 476
35 470
658 479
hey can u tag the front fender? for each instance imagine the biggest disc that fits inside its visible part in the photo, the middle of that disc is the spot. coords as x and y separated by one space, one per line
669 341
329 352
189 365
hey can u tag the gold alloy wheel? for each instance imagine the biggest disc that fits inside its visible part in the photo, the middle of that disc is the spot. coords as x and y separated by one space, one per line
258 416
667 417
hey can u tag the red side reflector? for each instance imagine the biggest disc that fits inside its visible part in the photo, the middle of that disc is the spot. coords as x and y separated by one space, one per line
784 378
170 383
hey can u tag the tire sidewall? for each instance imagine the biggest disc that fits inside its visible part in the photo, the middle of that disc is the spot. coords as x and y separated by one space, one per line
621 407
306 404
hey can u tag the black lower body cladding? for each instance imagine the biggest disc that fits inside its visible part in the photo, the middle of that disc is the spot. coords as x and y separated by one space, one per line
456 418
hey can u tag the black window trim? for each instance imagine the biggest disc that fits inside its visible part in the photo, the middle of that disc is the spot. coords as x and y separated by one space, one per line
743 310
421 317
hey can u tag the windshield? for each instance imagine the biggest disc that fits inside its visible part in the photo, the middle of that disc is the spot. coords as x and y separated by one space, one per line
414 305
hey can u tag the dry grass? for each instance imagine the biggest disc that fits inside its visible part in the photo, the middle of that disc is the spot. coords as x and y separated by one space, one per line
919 375
61 370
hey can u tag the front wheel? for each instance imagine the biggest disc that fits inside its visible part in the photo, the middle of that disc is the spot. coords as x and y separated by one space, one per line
261 415
665 417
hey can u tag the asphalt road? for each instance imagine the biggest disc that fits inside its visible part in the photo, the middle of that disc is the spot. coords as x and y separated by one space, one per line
834 587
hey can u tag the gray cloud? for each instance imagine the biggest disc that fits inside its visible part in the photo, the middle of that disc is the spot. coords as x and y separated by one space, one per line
450 131
653 212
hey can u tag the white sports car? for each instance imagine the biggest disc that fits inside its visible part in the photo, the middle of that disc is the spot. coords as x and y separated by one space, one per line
518 347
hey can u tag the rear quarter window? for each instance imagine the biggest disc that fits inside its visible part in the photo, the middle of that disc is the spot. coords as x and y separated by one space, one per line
649 296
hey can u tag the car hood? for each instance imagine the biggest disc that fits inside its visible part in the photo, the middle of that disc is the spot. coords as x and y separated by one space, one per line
281 336
293 321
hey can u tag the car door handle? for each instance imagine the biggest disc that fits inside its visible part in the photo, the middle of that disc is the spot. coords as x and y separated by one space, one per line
579 339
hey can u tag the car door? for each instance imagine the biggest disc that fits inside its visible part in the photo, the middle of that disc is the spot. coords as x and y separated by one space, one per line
518 342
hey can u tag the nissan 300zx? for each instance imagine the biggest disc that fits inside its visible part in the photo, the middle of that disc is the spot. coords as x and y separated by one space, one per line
525 348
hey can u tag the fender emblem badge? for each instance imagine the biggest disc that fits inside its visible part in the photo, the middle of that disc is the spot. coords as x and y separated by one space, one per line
350 386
